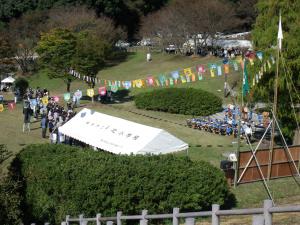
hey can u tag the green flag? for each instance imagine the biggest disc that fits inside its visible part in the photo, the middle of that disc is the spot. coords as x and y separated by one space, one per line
246 87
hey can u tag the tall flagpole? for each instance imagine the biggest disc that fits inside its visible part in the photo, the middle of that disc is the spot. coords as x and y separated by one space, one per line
279 44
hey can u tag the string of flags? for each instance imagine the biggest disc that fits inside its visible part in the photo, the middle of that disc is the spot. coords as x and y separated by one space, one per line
180 76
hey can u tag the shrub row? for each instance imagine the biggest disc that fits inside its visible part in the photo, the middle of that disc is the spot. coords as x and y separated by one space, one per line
186 101
60 180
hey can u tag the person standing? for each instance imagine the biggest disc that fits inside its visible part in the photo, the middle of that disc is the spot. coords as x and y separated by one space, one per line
27 115
44 125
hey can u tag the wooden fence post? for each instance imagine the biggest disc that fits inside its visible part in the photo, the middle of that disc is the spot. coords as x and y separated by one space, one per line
67 219
175 219
267 215
258 220
98 216
214 217
109 222
189 221
119 214
143 221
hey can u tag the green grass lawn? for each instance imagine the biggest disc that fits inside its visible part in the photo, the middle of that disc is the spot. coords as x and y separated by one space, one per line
136 67
203 145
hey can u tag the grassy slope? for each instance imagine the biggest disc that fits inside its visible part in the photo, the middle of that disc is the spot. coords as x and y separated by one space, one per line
136 67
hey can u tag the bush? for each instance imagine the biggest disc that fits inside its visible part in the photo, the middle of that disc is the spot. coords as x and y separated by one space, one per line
22 84
60 180
186 101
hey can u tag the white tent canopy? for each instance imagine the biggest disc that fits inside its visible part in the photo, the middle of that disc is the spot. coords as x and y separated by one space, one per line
8 80
120 136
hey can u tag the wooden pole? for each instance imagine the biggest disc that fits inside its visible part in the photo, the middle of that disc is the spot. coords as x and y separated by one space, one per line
237 164
274 114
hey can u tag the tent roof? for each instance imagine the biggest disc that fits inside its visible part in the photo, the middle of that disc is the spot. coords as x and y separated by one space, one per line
118 135
8 80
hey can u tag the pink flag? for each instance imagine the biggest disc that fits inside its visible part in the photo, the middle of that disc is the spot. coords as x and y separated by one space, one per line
102 91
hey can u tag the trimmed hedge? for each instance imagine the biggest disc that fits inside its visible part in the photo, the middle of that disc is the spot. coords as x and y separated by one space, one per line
60 180
186 101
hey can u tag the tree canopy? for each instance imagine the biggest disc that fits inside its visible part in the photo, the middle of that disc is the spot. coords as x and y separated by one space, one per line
265 38
125 13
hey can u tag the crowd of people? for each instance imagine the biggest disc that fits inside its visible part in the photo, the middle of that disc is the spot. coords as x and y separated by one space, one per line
39 105
228 125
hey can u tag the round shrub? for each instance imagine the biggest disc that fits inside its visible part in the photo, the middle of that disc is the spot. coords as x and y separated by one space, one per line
186 101
60 180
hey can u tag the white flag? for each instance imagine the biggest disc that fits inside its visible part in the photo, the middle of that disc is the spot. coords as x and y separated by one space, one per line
280 35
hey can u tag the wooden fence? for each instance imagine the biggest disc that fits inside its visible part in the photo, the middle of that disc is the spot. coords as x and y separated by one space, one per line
281 164
260 216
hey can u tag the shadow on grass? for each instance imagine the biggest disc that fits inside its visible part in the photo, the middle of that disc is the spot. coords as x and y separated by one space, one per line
120 96
118 57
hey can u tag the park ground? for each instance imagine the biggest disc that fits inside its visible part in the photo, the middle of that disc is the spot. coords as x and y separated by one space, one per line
203 145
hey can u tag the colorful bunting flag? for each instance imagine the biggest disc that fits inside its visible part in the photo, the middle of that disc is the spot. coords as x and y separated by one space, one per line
235 66
212 72
226 68
139 83
200 77
78 94
187 71
157 82
200 69
150 81
45 100
219 70
188 80
114 88
193 77
90 92
183 80
102 91
259 55
67 96
11 105
269 64
245 80
1 108
56 98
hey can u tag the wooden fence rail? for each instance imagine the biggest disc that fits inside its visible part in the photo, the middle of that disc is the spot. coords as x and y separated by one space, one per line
261 216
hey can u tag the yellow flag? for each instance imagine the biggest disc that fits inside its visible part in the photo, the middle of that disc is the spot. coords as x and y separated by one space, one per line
157 82
251 62
139 83
212 72
187 71
45 100
90 92
1 108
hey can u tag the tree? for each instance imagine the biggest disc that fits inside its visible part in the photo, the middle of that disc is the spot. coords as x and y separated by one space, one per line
21 84
117 10
24 34
90 54
56 50
265 38
182 20
6 53
80 18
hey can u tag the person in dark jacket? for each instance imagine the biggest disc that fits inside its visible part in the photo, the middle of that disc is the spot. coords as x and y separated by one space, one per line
27 114
44 125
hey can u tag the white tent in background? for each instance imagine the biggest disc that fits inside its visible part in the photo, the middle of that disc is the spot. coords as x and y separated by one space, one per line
8 80
120 136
